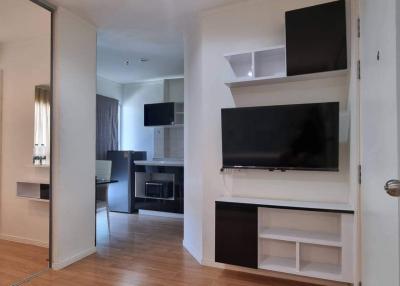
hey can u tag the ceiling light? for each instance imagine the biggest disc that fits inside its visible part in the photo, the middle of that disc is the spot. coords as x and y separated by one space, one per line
144 60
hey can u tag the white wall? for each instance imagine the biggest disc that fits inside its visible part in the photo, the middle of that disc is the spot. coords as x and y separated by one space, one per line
134 136
26 63
74 136
109 88
244 26
193 142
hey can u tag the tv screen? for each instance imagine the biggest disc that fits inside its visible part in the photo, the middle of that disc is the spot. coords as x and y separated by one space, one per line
316 38
285 137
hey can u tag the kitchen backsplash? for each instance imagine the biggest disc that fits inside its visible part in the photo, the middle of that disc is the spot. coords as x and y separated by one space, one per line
168 143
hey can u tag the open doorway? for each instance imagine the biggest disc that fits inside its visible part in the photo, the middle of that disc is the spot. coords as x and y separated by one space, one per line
26 101
139 152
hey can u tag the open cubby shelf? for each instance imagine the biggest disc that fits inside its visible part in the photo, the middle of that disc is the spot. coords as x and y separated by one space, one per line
280 264
315 268
308 243
301 236
268 66
33 190
326 262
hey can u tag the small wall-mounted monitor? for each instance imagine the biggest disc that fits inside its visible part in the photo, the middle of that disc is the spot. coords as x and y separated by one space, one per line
159 114
316 39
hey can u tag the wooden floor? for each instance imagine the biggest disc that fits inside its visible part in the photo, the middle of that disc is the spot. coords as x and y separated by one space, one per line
145 250
19 261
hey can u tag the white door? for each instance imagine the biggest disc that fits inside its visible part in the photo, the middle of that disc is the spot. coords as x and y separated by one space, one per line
380 131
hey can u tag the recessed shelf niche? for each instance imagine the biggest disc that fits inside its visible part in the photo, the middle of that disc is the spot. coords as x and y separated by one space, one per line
34 191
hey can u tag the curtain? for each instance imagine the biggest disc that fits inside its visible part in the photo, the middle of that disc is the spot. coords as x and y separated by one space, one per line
106 126
42 118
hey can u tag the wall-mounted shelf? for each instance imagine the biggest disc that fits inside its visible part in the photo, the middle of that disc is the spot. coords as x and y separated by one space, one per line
267 66
269 62
244 82
34 190
39 166
34 200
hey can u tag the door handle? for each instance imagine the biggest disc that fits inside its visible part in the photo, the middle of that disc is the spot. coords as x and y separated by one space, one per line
392 187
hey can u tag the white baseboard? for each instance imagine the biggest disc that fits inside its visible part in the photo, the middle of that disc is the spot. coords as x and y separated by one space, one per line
192 252
272 274
161 214
24 240
75 258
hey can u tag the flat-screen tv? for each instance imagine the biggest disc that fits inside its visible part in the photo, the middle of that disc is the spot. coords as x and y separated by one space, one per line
316 38
284 137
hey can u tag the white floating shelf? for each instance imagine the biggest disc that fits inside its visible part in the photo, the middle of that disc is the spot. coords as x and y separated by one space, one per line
243 82
41 166
34 199
279 264
301 236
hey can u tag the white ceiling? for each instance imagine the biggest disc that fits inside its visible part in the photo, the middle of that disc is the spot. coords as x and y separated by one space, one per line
134 29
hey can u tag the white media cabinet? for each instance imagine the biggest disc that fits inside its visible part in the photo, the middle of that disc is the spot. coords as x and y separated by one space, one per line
301 238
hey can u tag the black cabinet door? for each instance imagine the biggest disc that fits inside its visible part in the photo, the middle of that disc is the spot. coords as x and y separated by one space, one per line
236 234
159 114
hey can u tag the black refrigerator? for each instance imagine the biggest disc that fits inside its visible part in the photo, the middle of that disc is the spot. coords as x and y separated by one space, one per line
121 195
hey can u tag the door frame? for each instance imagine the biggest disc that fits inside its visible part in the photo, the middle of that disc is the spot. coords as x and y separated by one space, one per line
51 8
362 191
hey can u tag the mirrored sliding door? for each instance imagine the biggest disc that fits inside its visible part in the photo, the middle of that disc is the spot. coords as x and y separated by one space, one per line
25 123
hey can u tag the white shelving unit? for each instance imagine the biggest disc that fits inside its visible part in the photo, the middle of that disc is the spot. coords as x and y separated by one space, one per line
241 64
260 64
267 66
301 236
279 264
306 242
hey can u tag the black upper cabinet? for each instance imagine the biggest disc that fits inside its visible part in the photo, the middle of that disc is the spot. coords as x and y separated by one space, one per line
159 114
316 39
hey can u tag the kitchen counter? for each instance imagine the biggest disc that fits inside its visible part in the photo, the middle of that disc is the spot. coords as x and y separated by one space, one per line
167 163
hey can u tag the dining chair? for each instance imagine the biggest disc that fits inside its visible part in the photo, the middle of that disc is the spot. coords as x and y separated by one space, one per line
103 172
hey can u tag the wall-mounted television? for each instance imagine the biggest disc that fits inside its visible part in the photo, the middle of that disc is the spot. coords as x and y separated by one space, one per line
316 39
284 137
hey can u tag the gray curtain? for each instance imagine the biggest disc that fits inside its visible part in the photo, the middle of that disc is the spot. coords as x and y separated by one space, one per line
106 126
